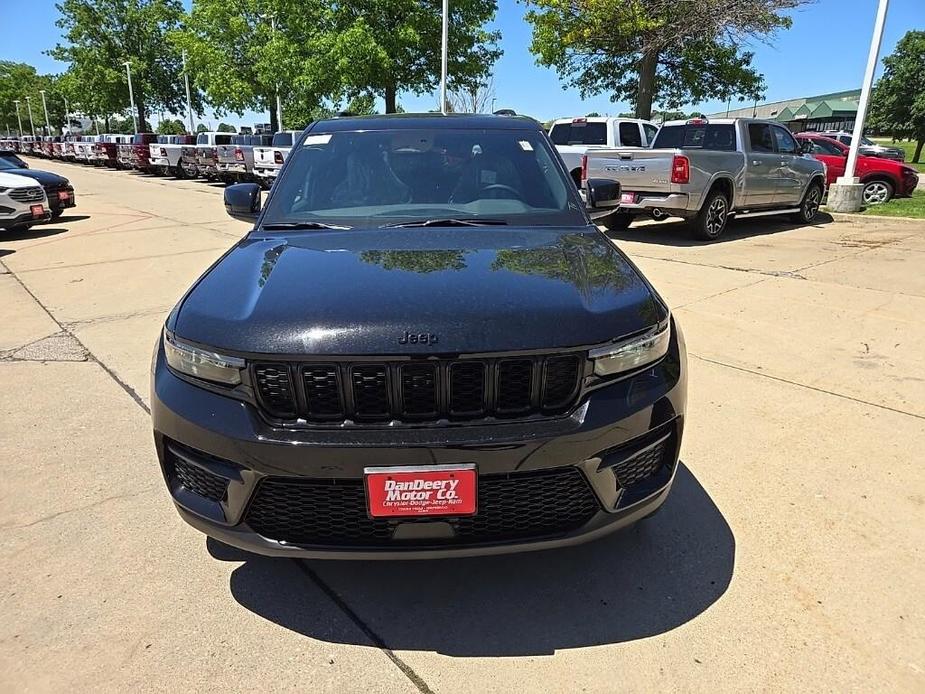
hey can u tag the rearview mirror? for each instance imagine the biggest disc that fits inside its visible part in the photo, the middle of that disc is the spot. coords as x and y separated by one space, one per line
602 193
242 201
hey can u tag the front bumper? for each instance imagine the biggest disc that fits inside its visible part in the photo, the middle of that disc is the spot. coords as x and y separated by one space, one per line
23 219
224 450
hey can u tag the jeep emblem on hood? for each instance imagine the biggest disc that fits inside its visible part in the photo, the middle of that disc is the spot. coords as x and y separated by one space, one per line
417 339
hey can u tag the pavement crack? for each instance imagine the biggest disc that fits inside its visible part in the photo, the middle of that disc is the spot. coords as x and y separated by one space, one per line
95 504
132 393
377 640
808 387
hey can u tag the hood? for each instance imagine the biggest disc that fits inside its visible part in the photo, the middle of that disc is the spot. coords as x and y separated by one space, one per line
468 289
45 178
10 180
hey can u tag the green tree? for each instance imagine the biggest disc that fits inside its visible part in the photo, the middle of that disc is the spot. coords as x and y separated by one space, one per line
391 46
101 35
670 52
240 53
171 126
225 128
898 101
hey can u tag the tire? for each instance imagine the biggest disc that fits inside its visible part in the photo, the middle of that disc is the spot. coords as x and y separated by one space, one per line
56 214
809 206
618 221
711 221
877 192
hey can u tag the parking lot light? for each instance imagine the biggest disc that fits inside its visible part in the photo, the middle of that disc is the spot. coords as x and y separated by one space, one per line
846 194
131 94
18 116
31 122
45 107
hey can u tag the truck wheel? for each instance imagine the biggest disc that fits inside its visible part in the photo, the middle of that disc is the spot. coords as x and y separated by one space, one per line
877 192
810 205
618 221
711 221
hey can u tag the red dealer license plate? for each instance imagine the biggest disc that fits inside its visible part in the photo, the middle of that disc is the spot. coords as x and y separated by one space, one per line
64 195
435 490
37 211
628 198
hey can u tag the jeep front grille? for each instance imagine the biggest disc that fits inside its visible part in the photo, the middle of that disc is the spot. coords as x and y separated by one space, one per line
418 390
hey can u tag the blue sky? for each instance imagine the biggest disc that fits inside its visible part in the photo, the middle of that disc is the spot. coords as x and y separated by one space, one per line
825 51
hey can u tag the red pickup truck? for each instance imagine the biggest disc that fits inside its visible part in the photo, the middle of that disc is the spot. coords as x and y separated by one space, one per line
882 178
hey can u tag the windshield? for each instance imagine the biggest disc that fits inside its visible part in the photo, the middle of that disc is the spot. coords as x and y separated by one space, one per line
373 178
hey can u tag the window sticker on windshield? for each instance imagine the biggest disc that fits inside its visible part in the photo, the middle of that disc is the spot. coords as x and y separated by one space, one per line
525 146
317 139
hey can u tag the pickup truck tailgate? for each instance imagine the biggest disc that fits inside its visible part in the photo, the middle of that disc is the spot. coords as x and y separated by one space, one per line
637 170
263 156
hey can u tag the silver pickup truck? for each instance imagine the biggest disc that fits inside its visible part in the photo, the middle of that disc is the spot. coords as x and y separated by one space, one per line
709 171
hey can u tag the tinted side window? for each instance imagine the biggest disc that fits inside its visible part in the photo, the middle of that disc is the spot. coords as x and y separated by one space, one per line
630 135
785 142
202 139
823 147
650 132
223 139
759 135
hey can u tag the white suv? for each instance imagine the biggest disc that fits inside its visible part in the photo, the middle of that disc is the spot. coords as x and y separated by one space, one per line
22 202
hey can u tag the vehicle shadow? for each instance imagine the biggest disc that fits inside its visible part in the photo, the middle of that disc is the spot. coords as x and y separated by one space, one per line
643 581
72 218
33 233
677 232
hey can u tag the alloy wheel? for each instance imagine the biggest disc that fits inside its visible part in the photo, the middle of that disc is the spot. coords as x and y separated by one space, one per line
876 193
716 216
811 206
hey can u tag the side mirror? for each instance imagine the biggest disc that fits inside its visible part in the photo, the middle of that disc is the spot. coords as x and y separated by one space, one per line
602 193
242 201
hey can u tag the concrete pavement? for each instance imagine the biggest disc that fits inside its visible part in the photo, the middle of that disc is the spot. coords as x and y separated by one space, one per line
788 558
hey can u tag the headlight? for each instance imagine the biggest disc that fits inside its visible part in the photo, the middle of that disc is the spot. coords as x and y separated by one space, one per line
633 353
199 363
3 190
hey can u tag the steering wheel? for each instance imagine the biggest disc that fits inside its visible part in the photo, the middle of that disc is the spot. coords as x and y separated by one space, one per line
501 186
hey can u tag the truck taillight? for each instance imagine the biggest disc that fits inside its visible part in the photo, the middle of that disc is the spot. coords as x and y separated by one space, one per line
238 154
584 168
278 157
680 169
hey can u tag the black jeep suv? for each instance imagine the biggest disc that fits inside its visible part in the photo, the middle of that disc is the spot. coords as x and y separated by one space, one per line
424 347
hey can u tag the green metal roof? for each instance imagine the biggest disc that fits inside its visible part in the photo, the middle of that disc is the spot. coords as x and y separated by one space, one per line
832 107
785 115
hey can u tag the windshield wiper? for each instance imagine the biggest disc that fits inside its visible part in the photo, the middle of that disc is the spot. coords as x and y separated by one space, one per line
301 225
464 222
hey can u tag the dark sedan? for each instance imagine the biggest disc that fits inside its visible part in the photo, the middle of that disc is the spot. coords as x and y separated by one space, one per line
59 190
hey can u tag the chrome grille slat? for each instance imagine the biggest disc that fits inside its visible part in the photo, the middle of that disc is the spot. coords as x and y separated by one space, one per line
27 194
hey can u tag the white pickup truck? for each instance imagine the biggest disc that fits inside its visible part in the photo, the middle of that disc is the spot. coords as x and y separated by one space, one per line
575 137
166 153
269 160
200 159
706 171
236 160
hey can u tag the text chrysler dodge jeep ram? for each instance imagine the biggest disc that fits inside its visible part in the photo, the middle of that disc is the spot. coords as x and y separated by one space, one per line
424 347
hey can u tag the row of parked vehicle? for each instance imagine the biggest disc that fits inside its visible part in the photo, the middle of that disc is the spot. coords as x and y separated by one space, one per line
214 156
710 170
28 196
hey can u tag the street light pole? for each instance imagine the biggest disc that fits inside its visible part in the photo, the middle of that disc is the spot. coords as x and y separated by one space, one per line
846 194
279 103
189 100
45 106
131 94
493 104
31 122
67 113
18 117
444 57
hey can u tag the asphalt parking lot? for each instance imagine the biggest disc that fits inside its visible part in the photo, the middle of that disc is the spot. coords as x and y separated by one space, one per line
788 558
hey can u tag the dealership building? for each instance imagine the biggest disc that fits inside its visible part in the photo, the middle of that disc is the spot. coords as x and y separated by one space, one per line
836 111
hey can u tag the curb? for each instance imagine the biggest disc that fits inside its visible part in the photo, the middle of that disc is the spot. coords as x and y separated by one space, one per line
882 218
